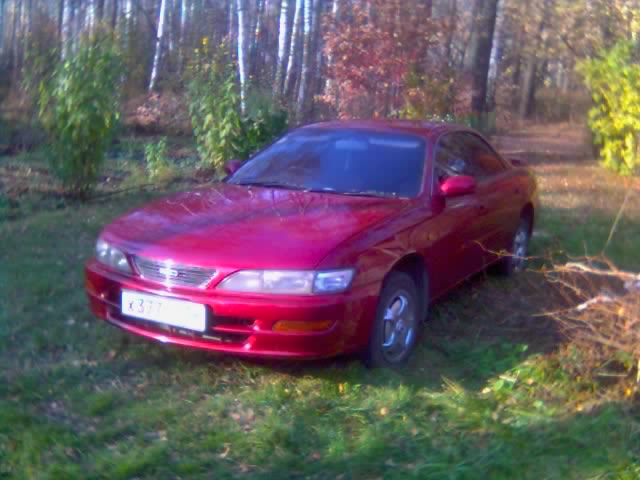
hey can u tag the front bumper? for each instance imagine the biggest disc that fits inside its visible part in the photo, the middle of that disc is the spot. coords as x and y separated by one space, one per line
243 324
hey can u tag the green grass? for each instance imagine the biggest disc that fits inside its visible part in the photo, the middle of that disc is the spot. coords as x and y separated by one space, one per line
588 236
79 399
482 397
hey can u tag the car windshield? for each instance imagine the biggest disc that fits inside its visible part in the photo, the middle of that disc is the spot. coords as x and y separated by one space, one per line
339 161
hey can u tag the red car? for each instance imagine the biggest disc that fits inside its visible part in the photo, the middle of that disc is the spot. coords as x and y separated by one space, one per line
334 239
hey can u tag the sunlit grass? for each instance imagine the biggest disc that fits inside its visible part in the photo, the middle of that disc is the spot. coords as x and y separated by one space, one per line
483 396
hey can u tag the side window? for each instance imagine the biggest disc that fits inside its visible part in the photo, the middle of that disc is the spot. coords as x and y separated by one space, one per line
485 161
451 157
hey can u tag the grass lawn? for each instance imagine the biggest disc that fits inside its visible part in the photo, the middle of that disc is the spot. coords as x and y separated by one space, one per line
487 395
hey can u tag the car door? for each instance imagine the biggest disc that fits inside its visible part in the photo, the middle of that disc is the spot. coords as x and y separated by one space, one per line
456 227
499 208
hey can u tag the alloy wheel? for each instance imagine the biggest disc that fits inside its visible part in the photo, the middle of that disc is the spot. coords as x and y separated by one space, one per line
399 327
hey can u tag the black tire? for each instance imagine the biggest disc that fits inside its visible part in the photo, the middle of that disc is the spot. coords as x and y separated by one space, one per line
398 288
515 261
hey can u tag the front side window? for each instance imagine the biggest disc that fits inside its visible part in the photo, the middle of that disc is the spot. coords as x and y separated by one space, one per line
451 157
484 159
339 161
464 153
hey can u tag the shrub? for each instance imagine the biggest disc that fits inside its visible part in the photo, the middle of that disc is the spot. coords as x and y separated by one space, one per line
614 81
222 133
214 108
158 166
78 107
264 122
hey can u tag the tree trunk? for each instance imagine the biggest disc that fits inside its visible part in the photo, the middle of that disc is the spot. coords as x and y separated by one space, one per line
256 34
15 52
525 110
451 30
232 23
2 2
481 54
114 14
528 90
306 58
295 32
76 23
99 10
470 50
495 58
63 25
242 51
181 38
283 36
158 49
317 80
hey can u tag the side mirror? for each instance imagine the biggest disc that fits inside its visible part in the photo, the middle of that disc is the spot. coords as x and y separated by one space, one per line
457 186
232 166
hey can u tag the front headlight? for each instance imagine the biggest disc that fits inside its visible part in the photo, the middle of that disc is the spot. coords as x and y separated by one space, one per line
112 256
289 282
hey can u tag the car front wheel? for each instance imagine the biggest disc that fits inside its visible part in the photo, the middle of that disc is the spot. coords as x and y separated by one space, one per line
396 325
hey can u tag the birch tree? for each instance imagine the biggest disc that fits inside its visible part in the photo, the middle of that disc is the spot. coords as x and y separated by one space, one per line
306 59
295 33
283 36
241 7
158 49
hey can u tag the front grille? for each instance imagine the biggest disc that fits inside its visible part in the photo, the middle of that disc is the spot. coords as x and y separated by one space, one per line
174 274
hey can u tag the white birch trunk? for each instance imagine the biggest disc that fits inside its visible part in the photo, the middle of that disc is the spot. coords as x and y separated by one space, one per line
295 28
242 51
172 11
127 11
304 69
65 28
283 35
158 50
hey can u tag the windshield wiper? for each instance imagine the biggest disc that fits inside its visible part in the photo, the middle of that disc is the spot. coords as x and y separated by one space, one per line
356 193
267 184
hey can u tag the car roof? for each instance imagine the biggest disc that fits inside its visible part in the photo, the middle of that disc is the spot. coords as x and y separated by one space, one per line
429 130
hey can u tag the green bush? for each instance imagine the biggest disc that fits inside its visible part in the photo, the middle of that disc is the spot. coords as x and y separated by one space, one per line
613 79
222 133
214 108
264 122
78 107
158 166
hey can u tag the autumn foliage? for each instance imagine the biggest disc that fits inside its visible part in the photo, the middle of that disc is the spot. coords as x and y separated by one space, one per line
372 50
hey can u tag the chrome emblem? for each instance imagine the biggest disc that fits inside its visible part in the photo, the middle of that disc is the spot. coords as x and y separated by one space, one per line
168 272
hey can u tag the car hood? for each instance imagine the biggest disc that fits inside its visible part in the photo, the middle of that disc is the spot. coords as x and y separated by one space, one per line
234 226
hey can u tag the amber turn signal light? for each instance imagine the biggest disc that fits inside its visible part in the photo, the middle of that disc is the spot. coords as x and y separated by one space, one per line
291 327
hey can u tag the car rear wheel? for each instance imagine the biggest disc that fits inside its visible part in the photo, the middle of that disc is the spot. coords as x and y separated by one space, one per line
516 260
395 329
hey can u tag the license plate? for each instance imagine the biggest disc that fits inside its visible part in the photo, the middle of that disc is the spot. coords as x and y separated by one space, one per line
169 311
